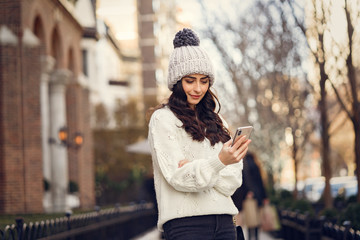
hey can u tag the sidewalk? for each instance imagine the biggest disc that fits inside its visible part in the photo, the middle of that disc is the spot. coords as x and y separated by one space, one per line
154 234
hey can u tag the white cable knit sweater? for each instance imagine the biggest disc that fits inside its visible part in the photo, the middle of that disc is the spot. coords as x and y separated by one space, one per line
201 187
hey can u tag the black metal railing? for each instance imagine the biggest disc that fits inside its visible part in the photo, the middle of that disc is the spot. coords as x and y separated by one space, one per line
114 223
332 231
296 226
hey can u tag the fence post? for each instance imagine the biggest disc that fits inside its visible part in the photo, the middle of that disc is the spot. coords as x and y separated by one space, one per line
347 225
117 209
97 209
19 227
307 225
68 215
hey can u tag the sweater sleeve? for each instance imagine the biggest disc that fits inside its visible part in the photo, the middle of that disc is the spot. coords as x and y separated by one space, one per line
195 176
230 179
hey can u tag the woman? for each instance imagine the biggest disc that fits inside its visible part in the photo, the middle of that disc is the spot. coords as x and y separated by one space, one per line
254 190
195 168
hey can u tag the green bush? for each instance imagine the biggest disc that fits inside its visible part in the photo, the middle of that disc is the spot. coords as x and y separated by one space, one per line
330 214
303 206
285 194
351 199
283 199
285 203
351 213
339 201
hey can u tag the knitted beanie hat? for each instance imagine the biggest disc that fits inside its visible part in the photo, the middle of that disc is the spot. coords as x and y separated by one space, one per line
188 58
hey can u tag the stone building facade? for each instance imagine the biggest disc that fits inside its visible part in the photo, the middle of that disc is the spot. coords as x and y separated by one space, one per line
41 94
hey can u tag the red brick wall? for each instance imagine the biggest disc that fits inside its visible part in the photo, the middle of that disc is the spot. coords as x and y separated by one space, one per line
21 159
53 15
81 163
10 15
86 164
32 151
72 103
21 178
11 171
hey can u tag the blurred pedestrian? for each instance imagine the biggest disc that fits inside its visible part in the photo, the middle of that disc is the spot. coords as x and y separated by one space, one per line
251 196
196 169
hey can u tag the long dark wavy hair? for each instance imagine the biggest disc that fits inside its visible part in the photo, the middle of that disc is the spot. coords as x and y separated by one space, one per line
201 123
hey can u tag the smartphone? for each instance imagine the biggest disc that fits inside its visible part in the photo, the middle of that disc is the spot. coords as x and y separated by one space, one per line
241 131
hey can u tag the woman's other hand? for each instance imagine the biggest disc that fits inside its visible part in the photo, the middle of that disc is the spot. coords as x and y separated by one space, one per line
182 163
233 154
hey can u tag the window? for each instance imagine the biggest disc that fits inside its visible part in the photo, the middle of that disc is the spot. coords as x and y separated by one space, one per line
84 62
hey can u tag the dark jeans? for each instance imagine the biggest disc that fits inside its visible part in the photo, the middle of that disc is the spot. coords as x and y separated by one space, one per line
206 227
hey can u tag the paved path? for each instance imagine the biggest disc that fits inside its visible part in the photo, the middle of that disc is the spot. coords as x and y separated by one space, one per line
154 234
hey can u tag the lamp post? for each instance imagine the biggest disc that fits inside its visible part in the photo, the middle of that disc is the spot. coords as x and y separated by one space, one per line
76 141
63 135
59 178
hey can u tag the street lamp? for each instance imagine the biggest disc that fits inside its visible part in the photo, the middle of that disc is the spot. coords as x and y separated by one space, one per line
75 142
63 135
78 139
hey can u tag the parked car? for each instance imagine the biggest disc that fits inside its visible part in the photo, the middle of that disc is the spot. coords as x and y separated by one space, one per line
351 189
314 187
340 184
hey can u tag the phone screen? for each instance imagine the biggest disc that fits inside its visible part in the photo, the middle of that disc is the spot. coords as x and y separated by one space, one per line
241 131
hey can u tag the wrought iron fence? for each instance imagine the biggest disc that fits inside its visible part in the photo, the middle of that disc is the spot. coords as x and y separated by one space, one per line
333 231
295 225
115 223
298 226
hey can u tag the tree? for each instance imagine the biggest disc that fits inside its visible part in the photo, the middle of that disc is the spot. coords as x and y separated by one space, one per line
102 118
128 114
119 174
349 99
328 58
263 60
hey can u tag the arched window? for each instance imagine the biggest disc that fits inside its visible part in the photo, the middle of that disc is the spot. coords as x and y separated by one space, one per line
38 30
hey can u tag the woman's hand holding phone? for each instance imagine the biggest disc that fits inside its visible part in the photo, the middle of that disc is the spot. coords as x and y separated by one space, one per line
231 154
233 150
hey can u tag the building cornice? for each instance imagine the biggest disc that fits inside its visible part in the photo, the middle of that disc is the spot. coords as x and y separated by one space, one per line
64 6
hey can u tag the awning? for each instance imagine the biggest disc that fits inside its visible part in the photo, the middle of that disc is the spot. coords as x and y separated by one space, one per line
142 147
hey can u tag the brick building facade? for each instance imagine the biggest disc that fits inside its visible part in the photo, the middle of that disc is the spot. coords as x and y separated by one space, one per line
147 43
40 93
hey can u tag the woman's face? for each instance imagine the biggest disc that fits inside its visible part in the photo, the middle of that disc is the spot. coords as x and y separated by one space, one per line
195 86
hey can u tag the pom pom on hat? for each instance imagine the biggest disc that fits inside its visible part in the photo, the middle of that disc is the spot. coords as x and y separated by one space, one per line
188 58
186 37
